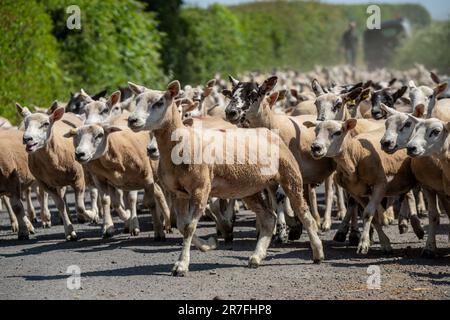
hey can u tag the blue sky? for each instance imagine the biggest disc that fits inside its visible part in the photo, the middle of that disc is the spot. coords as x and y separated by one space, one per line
439 9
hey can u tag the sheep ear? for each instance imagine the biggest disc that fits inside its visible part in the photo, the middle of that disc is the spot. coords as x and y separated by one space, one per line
317 88
85 95
110 129
233 81
268 84
388 110
57 114
352 95
435 77
365 94
174 88
411 84
399 93
209 87
273 98
294 93
440 88
282 95
137 89
405 100
99 95
227 93
419 111
393 80
350 124
53 107
447 126
71 133
310 124
413 118
23 111
113 99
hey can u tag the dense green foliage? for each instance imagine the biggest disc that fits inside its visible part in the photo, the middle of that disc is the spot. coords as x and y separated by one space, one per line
29 68
117 42
429 46
152 41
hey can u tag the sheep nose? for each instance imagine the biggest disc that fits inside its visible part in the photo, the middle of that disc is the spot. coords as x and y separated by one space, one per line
132 121
316 147
232 114
151 150
79 155
412 150
386 144
27 139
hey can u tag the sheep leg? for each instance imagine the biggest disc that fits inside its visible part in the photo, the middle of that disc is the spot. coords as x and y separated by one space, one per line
158 227
267 222
340 202
25 226
79 203
403 215
430 247
105 198
329 194
295 194
30 208
388 214
133 224
344 227
188 215
93 192
313 203
368 214
354 235
46 217
445 206
58 197
413 217
117 203
421 207
161 202
11 214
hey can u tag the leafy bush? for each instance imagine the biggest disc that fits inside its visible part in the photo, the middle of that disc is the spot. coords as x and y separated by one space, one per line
429 46
210 42
29 69
118 42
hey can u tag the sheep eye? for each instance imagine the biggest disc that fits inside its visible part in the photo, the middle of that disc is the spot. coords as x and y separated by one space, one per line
337 133
430 97
99 136
435 132
45 124
408 124
104 111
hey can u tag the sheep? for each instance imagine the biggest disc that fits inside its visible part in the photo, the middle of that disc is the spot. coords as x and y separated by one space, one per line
426 97
51 161
15 177
430 139
193 184
298 138
114 155
366 172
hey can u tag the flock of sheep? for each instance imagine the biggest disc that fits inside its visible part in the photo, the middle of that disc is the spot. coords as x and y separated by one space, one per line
379 141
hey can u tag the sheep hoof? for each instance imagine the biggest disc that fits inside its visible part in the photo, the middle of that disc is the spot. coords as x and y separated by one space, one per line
159 238
294 234
363 248
340 236
23 236
317 261
31 230
81 219
428 254
108 233
420 234
229 238
326 226
135 232
254 262
34 220
15 227
402 228
72 237
354 237
178 271
46 225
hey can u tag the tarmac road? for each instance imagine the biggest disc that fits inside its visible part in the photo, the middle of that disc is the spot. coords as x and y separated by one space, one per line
127 267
